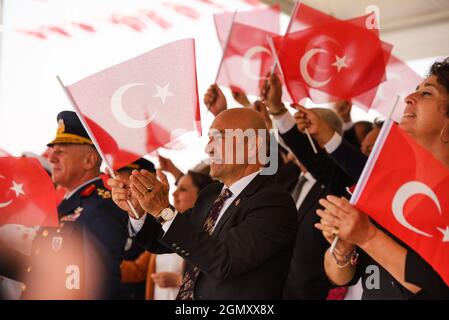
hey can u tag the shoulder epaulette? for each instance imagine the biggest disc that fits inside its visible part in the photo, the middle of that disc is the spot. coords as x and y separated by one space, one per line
88 190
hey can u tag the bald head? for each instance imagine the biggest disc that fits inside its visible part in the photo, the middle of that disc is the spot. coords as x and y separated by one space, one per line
237 140
239 118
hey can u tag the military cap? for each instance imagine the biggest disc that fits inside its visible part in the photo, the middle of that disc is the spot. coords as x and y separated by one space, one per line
140 164
70 130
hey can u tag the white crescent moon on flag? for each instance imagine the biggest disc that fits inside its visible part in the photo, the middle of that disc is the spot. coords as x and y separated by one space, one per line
405 192
120 114
319 42
304 62
246 66
4 204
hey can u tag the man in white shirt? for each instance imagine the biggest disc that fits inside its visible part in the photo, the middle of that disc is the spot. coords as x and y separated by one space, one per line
238 238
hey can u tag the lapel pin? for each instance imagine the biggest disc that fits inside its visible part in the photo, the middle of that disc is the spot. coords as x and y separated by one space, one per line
237 202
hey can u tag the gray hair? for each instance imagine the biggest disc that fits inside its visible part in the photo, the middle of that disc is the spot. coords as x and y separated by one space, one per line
331 118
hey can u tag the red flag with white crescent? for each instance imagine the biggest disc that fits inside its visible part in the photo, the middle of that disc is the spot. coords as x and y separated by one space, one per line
340 59
157 89
414 204
27 195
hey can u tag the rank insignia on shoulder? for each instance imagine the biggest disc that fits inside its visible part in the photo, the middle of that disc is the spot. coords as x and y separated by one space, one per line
105 194
88 190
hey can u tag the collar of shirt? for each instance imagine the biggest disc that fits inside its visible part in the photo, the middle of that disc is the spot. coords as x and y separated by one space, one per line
309 177
238 186
308 185
69 194
348 125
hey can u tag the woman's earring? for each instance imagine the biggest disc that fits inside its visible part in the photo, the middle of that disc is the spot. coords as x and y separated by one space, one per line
442 134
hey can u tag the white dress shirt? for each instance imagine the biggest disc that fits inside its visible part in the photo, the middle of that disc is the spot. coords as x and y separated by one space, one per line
333 143
167 263
285 122
236 188
348 125
305 188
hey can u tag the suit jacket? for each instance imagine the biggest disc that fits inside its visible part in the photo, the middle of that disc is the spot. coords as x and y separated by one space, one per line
81 258
248 254
350 159
306 279
351 136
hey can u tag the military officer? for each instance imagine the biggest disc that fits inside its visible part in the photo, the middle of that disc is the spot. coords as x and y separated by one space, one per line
81 258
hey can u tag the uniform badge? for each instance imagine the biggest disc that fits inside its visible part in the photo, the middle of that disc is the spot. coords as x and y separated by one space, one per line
75 215
61 126
105 194
56 243
88 190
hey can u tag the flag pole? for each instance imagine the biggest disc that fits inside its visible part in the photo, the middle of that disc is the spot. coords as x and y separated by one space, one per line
224 50
276 59
94 140
225 46
277 63
368 166
292 15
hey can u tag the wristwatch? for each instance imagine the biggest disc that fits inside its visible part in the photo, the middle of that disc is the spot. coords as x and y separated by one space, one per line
166 214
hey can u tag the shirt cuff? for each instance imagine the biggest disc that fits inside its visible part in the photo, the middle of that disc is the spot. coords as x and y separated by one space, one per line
135 225
333 143
167 224
348 125
284 122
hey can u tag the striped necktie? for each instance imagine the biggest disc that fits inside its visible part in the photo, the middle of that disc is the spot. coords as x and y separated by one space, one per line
191 273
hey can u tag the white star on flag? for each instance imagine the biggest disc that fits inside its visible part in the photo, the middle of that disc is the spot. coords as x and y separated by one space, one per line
162 92
17 188
340 63
445 233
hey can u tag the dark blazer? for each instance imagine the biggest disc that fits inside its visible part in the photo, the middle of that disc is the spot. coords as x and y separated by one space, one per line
306 279
90 238
350 159
351 136
248 254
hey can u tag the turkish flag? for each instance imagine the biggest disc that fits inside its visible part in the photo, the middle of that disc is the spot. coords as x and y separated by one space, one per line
401 80
247 59
157 89
339 58
414 204
27 195
306 17
267 19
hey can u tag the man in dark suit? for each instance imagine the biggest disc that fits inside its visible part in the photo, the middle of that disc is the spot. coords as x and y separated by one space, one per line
238 238
81 258
306 279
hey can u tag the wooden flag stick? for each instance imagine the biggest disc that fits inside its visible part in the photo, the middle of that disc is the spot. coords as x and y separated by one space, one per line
276 59
94 140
